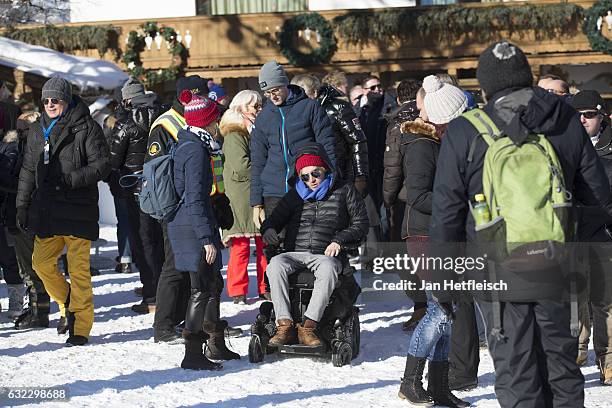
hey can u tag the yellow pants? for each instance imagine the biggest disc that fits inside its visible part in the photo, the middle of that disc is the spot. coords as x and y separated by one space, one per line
44 262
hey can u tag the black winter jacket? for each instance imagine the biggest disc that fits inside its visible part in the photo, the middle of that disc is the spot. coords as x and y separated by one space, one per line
311 226
351 143
420 147
159 138
393 176
128 145
278 134
62 196
10 163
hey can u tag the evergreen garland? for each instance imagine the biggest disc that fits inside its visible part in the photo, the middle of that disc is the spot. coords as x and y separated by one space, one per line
452 22
136 44
316 23
597 40
68 39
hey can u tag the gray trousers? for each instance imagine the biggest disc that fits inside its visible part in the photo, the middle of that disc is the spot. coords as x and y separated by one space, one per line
326 270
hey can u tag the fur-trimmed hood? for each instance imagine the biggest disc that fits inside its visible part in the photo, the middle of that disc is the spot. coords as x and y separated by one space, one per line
226 129
419 127
10 136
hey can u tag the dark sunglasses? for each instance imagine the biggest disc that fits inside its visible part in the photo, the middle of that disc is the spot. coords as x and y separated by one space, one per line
590 114
315 174
54 101
374 87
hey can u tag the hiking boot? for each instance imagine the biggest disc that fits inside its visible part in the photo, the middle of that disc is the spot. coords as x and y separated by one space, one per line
306 333
416 317
166 336
583 356
216 348
437 386
62 326
240 300
194 357
123 268
411 388
30 319
144 307
15 295
285 333
76 341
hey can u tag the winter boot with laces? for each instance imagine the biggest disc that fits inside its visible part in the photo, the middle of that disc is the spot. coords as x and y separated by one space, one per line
412 387
15 295
437 386
285 333
216 348
194 356
306 333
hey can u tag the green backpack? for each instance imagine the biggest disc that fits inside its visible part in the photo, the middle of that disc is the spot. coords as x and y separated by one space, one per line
525 191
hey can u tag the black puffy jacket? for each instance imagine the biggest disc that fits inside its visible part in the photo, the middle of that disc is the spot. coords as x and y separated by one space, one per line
393 175
62 196
420 147
351 143
128 145
310 226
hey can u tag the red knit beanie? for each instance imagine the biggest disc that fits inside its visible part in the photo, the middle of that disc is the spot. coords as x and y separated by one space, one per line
199 112
306 160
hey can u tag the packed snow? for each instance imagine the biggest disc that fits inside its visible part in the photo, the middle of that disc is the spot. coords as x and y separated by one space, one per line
123 367
84 72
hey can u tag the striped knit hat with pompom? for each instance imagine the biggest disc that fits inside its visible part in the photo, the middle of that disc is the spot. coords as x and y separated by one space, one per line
199 111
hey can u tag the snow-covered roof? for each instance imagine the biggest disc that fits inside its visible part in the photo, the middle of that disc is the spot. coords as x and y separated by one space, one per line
84 72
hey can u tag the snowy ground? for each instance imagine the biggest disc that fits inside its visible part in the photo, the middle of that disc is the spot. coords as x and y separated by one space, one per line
123 367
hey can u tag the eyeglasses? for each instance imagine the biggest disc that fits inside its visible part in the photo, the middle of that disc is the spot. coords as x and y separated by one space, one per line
590 114
273 91
374 87
53 101
257 107
315 174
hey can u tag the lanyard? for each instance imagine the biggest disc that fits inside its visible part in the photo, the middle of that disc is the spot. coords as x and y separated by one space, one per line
47 131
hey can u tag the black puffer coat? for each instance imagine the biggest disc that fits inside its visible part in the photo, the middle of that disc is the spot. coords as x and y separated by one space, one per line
62 196
128 144
310 226
351 143
393 175
420 147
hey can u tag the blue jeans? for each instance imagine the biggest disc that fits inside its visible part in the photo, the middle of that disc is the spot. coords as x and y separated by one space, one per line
123 229
431 337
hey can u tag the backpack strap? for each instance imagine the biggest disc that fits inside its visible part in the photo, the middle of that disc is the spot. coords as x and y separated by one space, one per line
485 127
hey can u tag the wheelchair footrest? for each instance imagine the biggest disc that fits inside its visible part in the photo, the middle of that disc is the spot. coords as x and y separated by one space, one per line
301 349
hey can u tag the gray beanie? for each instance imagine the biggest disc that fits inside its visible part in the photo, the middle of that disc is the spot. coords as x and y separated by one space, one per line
58 88
132 87
272 75
443 102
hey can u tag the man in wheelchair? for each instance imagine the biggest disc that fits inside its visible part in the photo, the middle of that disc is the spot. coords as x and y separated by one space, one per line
322 217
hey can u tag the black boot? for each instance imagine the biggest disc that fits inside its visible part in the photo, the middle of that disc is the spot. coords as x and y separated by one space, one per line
437 386
194 357
32 318
213 314
412 388
66 323
217 350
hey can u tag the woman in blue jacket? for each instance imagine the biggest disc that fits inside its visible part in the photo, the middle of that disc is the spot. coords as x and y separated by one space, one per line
194 234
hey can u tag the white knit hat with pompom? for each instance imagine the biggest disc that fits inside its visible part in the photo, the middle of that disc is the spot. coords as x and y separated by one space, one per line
443 102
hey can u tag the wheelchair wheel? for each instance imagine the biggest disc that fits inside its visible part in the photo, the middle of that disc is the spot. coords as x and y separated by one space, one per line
256 352
341 353
355 335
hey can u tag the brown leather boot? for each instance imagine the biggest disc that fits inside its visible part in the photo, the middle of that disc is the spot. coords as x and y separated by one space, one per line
285 333
306 335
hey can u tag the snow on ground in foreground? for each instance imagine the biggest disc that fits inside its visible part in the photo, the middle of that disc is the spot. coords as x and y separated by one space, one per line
123 367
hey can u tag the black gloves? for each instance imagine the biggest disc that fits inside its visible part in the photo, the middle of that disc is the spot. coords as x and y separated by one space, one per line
223 211
22 218
361 185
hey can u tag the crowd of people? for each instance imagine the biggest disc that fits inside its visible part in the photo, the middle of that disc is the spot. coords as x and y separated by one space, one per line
310 169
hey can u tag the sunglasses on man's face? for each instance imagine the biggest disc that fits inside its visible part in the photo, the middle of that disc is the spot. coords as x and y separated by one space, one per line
590 114
315 174
374 87
53 101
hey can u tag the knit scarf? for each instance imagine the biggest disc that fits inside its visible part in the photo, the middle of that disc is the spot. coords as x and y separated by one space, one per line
211 144
317 194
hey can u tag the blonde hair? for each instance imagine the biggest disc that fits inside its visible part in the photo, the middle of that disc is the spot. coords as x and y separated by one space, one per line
309 83
336 79
233 115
